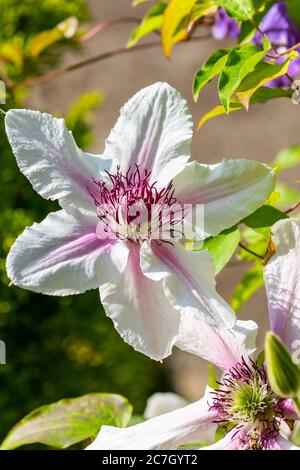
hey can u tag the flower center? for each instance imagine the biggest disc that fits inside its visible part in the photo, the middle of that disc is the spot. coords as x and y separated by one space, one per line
132 207
246 400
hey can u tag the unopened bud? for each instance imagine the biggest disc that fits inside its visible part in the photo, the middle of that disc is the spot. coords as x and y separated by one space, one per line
283 374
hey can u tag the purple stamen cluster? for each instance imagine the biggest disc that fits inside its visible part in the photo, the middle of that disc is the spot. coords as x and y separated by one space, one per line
246 404
128 200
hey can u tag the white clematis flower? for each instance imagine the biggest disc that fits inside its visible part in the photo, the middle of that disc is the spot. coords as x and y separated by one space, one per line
147 286
252 415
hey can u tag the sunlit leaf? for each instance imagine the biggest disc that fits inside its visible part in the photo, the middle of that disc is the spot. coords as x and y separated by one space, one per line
287 158
240 62
263 218
222 247
138 2
263 73
240 9
10 52
152 21
69 421
175 22
64 30
249 284
288 196
211 68
261 95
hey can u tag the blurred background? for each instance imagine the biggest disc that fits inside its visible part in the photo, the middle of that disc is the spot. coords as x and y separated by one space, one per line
66 347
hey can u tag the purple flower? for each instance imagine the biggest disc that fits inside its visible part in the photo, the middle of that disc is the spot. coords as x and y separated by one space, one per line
225 26
279 28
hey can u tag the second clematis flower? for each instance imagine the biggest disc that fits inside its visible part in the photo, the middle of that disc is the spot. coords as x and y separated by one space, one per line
244 406
100 238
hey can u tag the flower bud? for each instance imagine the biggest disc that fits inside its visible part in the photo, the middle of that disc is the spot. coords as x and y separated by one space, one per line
283 374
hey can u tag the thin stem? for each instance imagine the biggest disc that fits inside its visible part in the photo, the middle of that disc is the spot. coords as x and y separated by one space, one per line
241 245
294 207
105 25
2 112
106 55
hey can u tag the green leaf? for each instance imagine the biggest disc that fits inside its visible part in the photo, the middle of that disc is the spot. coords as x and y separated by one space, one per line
240 9
212 377
263 218
69 421
138 2
211 68
263 73
79 117
64 30
288 196
287 158
294 11
261 95
152 21
10 52
248 28
240 62
249 284
222 247
175 22
283 374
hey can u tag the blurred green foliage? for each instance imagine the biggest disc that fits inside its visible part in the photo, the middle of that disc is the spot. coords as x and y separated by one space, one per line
56 347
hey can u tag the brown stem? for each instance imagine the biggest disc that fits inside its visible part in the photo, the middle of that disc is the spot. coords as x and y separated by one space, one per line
241 245
293 208
107 24
106 55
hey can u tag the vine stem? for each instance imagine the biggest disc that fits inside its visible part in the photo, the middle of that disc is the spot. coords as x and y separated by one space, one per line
106 55
241 245
294 207
105 25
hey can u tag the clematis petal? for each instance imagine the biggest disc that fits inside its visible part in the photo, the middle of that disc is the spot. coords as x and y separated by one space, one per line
224 348
48 156
230 190
231 441
282 281
188 280
190 424
154 129
140 310
63 255
161 403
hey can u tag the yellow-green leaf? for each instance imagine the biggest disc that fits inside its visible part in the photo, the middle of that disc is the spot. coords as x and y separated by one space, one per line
12 53
240 9
69 421
175 22
261 95
211 68
241 61
152 20
64 30
263 73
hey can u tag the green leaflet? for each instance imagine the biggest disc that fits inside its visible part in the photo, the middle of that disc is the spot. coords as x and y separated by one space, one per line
240 9
241 61
152 21
211 68
248 285
261 95
222 247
